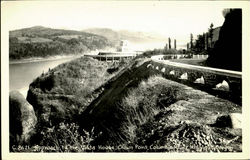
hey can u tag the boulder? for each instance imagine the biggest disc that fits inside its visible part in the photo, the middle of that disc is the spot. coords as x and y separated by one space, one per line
232 120
184 76
222 86
22 119
236 119
200 80
171 72
163 70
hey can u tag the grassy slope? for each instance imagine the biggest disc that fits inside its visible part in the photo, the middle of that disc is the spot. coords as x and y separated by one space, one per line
133 110
65 91
186 125
98 112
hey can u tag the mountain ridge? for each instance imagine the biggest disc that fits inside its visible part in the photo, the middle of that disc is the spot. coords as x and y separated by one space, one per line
39 41
132 36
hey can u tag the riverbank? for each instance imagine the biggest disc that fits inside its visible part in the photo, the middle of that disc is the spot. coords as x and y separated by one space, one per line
41 59
23 72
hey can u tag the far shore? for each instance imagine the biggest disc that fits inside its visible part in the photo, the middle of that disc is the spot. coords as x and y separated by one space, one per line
40 59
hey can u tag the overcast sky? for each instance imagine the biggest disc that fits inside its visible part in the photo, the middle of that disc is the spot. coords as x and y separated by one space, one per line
171 19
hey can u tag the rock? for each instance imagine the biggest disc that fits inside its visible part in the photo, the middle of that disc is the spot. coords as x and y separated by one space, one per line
22 119
184 76
157 68
200 80
163 70
223 121
223 86
149 65
172 72
229 42
232 120
236 119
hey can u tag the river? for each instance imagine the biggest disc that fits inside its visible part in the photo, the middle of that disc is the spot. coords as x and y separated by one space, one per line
22 74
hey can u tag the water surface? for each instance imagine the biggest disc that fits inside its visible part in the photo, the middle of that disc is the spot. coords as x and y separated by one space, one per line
22 74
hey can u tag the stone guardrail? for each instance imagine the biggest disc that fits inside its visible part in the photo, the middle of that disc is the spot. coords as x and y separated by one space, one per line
212 79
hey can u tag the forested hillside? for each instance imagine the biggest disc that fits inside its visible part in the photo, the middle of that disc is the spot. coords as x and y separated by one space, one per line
41 42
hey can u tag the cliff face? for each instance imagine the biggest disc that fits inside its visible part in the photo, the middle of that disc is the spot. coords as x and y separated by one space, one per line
62 93
227 52
22 119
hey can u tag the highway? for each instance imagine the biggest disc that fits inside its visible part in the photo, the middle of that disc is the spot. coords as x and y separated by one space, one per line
223 72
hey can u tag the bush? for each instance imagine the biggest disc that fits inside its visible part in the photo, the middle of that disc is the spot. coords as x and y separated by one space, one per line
62 138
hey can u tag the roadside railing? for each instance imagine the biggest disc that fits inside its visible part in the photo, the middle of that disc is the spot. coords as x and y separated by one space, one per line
218 81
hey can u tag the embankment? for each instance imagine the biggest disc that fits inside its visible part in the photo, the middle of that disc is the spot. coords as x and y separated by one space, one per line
138 107
132 106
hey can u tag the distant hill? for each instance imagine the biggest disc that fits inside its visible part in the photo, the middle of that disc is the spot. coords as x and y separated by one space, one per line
131 36
40 41
110 34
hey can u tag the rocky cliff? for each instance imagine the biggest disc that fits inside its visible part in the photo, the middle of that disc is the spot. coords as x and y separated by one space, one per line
227 52
22 119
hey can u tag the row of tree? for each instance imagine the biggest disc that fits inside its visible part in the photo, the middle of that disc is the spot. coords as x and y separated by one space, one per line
169 46
203 43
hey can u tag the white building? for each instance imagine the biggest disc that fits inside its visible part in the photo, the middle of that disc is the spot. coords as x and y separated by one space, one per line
124 46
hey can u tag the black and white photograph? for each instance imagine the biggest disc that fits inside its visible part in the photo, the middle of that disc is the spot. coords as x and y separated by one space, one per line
146 78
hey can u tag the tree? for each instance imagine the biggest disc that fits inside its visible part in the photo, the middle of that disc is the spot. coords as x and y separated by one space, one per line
191 41
166 47
175 44
210 34
169 43
200 43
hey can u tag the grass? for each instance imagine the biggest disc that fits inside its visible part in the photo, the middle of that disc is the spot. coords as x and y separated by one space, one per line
144 102
185 125
61 138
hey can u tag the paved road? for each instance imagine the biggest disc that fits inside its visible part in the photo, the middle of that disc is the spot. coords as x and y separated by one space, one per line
225 72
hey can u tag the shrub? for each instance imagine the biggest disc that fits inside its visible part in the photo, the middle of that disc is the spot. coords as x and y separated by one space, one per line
62 138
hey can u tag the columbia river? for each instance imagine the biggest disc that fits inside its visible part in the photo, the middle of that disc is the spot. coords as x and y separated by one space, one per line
22 74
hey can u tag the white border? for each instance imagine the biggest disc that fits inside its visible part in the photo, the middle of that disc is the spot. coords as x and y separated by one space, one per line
246 105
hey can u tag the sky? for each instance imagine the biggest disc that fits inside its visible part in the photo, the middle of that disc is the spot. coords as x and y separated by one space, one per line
168 18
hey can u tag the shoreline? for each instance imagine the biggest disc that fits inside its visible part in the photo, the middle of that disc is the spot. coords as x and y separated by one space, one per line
42 59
